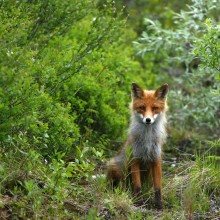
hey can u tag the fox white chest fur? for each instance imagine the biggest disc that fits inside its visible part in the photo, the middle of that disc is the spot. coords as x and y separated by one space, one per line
146 139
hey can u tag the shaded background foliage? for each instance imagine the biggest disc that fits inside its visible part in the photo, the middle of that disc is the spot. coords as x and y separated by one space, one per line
188 53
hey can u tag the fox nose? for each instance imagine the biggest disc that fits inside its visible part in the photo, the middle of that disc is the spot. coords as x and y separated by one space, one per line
148 121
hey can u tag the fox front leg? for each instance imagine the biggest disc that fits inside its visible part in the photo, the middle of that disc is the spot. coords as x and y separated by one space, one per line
157 181
136 181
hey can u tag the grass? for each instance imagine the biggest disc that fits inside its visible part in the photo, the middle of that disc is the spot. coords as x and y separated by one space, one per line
190 191
31 188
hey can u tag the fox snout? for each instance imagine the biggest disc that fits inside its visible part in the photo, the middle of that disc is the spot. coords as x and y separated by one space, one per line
150 120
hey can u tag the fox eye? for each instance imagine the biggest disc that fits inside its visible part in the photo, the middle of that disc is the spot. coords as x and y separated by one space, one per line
142 107
155 108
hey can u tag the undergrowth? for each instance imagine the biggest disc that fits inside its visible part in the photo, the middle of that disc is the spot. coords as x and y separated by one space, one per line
190 191
33 188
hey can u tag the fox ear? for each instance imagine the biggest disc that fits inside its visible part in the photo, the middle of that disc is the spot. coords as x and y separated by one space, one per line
161 92
136 91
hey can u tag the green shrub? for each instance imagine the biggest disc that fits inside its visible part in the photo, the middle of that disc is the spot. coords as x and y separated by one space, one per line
65 76
64 92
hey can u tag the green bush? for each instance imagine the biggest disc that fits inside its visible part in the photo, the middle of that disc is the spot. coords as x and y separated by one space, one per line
65 73
64 91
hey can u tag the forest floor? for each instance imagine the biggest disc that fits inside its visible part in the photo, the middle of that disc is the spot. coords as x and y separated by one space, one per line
190 191
181 199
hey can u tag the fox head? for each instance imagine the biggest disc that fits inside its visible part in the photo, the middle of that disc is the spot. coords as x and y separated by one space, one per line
148 104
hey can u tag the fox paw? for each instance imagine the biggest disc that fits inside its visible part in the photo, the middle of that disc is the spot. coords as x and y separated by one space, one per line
158 199
139 202
158 204
138 198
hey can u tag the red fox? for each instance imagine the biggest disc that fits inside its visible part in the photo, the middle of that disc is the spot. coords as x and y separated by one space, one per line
146 135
